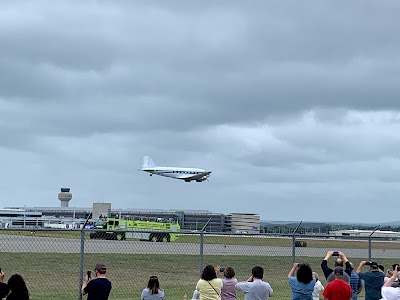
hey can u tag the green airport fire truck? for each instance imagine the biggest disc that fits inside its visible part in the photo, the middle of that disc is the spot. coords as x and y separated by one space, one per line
121 229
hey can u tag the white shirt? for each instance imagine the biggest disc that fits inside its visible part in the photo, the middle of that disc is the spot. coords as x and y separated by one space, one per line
255 290
318 288
390 293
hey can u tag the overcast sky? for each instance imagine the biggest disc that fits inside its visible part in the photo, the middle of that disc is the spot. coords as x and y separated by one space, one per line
293 106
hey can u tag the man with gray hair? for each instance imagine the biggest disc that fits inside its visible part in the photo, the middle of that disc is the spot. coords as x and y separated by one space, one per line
341 261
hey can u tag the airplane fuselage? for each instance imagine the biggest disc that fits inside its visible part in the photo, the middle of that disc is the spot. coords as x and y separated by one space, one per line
175 172
187 174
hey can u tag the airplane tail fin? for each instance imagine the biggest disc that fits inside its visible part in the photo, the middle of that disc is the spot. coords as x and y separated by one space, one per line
148 162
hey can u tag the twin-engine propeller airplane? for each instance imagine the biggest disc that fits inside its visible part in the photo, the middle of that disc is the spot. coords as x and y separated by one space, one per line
187 174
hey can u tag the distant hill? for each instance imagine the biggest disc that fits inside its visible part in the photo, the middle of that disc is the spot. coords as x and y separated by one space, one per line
306 224
331 225
394 223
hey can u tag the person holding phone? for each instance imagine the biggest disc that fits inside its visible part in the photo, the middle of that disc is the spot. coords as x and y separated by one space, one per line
228 291
98 288
255 287
302 283
209 285
389 290
341 261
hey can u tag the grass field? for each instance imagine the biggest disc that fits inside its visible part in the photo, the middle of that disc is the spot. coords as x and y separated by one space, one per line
55 276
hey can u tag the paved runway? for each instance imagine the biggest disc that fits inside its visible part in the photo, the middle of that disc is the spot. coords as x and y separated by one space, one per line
15 243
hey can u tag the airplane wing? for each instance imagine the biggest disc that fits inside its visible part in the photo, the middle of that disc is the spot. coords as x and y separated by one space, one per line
199 176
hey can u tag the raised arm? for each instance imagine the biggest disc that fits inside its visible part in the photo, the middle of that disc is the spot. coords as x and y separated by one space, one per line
360 266
324 265
391 279
348 267
294 268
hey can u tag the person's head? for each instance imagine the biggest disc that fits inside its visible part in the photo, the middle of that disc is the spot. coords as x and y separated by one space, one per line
338 272
315 276
209 273
229 272
17 285
394 266
304 273
153 284
381 267
100 269
196 295
338 262
374 266
257 272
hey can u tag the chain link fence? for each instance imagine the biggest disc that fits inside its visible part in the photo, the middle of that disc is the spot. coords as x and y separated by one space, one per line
53 262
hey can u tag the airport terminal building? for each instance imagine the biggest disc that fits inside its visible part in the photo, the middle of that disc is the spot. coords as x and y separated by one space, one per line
73 217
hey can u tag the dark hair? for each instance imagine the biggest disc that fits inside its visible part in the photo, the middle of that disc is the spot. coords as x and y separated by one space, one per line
229 272
153 284
18 287
381 267
394 266
338 262
257 272
209 273
304 274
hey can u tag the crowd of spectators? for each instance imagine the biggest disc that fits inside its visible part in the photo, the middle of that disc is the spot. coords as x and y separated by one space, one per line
343 283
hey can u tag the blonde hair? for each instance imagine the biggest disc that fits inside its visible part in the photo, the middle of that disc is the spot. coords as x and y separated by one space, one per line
315 275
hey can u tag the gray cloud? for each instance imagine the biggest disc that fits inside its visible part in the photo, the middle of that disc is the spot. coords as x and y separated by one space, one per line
290 105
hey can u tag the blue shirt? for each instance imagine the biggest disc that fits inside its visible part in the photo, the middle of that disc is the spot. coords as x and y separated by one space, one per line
355 282
373 282
301 291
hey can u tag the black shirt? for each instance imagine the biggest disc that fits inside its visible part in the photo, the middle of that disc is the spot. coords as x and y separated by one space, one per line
98 289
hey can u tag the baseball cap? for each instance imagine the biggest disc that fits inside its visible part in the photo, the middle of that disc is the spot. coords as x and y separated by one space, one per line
374 265
100 266
339 271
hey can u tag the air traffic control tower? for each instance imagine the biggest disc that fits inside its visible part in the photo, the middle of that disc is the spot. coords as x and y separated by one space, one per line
65 196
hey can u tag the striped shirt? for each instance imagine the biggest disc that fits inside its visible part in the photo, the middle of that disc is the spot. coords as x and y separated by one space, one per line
355 282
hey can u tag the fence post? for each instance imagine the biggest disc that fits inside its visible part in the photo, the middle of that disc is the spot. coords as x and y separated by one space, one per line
294 243
201 252
370 243
202 246
82 257
81 262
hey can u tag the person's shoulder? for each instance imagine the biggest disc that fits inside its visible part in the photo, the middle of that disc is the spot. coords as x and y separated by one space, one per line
217 281
292 279
262 282
226 280
101 280
201 282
